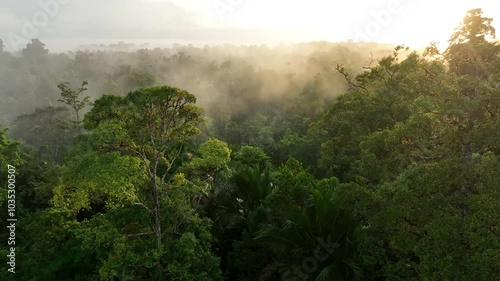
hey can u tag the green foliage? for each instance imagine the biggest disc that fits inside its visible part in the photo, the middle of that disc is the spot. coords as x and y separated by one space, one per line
318 243
214 156
470 52
292 186
396 179
70 97
251 156
91 178
410 138
47 132
127 163
10 152
40 260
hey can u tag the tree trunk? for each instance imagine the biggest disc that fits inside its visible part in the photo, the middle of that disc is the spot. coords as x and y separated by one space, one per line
157 224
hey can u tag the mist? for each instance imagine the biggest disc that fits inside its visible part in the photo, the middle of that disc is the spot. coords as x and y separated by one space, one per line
236 140
228 80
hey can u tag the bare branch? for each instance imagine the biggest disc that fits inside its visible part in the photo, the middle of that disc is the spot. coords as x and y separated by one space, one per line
342 71
139 234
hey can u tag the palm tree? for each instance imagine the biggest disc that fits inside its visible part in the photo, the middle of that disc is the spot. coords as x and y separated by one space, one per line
318 243
235 209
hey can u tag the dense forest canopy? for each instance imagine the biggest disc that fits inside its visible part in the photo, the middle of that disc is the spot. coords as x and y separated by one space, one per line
240 76
313 161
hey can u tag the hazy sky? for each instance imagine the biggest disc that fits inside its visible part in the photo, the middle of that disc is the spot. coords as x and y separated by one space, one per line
66 24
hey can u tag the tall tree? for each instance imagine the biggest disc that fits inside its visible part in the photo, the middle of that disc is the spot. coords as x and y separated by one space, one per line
35 51
471 50
71 97
45 130
152 124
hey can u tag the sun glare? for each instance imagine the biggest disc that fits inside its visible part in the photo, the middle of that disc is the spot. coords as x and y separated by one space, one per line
412 23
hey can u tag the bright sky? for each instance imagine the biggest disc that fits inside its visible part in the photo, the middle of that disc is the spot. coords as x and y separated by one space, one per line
409 22
391 21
